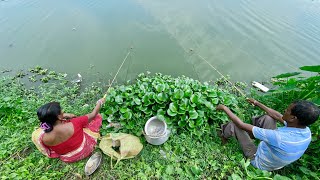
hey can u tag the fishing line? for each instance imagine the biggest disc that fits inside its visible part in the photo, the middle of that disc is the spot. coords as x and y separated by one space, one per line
223 76
188 58
115 76
241 111
191 50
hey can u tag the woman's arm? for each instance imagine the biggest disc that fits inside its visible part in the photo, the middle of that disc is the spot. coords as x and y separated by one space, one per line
271 112
96 110
235 119
68 116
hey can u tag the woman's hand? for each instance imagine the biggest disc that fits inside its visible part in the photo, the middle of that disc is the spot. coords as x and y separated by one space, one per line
68 116
252 101
220 107
101 101
96 110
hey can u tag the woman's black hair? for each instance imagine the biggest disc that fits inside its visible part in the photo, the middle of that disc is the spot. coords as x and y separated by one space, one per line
306 112
48 114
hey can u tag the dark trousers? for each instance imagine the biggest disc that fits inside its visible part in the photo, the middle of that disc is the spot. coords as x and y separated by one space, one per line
244 138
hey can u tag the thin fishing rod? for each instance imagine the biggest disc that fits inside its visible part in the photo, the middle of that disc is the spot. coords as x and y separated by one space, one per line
191 50
222 76
115 76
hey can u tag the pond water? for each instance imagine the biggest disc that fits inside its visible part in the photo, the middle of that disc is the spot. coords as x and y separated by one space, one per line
248 40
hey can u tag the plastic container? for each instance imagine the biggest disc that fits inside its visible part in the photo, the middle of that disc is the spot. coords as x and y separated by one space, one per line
260 86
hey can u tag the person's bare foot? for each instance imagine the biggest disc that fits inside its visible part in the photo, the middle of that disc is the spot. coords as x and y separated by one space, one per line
223 139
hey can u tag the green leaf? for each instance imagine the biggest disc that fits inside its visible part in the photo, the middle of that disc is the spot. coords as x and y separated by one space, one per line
187 93
178 94
161 112
212 93
124 110
208 105
200 113
193 114
6 99
170 113
179 170
191 124
137 114
288 87
199 121
182 123
313 79
173 107
160 87
169 170
279 177
235 177
224 118
146 100
143 108
195 98
31 120
192 105
137 101
161 117
148 112
161 97
286 75
311 68
118 99
181 111
316 100
130 125
127 115
196 170
184 104
227 100
169 120
110 111
215 101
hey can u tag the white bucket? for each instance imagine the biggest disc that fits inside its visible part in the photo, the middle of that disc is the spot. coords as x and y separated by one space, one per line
155 131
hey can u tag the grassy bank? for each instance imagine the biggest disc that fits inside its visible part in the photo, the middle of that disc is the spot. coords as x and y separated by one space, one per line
193 150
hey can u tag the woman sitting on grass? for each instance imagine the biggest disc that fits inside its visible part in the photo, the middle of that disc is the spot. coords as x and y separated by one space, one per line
65 136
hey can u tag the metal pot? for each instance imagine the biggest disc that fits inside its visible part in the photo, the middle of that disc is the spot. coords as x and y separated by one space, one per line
155 131
157 140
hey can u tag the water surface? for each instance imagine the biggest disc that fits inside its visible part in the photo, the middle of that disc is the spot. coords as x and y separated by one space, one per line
249 40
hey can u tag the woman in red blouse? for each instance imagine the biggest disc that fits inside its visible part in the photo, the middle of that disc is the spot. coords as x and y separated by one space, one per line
65 136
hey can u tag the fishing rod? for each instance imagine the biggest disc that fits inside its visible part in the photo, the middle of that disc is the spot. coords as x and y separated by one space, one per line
226 79
115 76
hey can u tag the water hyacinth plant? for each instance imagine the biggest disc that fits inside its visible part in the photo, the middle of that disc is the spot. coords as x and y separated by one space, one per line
184 103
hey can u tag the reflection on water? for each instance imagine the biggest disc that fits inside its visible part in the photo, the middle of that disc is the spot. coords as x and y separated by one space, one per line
249 40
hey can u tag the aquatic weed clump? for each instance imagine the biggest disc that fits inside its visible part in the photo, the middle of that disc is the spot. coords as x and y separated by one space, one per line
184 103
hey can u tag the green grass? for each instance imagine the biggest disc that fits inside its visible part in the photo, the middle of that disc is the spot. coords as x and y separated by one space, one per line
184 156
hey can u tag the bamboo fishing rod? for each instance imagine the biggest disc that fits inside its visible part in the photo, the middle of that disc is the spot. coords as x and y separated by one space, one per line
115 76
226 79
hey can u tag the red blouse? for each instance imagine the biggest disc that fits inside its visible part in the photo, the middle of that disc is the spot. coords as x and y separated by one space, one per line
75 140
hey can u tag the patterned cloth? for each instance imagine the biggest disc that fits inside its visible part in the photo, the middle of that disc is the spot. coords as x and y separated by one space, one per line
90 136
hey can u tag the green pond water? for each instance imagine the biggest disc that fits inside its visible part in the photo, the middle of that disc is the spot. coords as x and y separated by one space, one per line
249 40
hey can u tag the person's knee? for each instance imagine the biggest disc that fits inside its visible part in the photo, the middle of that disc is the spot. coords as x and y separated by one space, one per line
269 122
268 118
